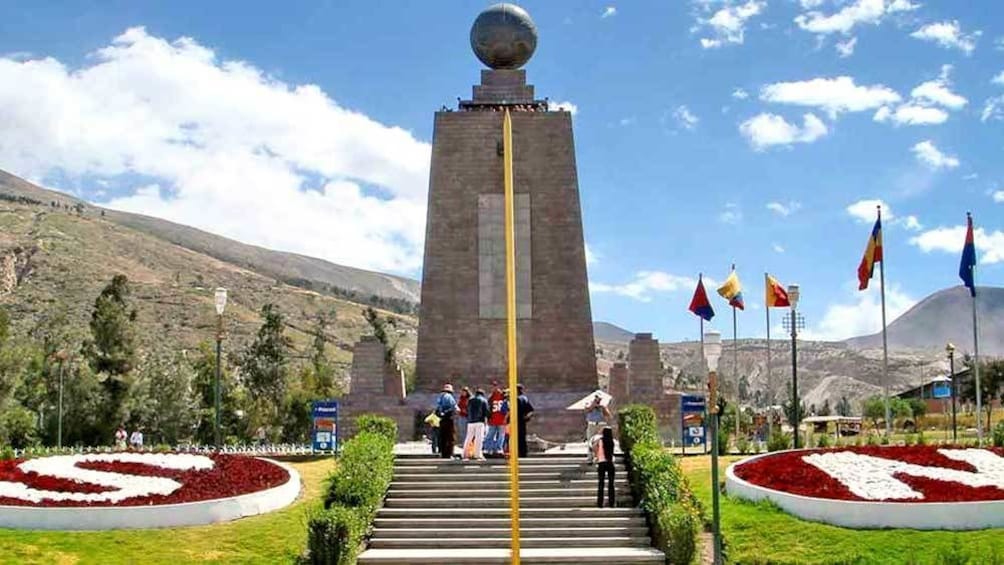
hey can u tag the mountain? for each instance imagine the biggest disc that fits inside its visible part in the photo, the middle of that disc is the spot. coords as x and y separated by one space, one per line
946 316
605 331
57 253
297 270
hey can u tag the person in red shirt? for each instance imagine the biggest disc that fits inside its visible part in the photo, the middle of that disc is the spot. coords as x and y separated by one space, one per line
465 396
494 442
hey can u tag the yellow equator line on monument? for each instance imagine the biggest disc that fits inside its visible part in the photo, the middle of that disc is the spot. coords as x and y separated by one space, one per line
510 290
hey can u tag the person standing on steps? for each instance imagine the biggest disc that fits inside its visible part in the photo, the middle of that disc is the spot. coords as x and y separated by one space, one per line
446 409
461 420
525 411
597 416
477 415
601 446
496 421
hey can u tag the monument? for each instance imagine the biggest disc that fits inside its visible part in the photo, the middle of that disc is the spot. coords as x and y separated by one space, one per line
462 320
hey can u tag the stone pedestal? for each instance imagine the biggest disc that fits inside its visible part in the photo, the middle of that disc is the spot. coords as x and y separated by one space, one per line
376 385
645 368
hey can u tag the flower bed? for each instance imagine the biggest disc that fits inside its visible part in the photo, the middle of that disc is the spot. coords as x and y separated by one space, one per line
133 479
870 487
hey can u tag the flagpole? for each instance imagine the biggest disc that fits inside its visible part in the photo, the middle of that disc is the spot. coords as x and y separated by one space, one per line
885 342
976 359
735 358
707 408
770 390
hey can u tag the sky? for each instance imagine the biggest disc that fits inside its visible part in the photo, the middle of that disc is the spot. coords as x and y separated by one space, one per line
708 132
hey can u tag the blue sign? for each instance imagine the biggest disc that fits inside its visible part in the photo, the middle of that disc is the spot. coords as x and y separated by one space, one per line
942 390
324 432
692 412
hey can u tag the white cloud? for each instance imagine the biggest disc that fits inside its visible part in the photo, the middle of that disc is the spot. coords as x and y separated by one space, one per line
911 115
864 210
784 210
862 315
998 196
766 130
685 117
993 109
928 154
912 223
237 152
843 21
778 248
948 35
939 92
950 240
646 283
732 214
740 94
999 79
810 4
901 6
728 24
609 11
834 95
565 106
592 257
627 121
846 48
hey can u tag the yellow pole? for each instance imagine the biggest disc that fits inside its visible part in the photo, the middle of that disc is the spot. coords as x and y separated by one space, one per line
510 291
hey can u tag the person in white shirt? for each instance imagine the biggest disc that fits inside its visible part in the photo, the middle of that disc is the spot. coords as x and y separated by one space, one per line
136 439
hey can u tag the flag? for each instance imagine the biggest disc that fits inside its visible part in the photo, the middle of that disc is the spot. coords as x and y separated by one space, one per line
699 304
777 296
968 264
873 254
732 291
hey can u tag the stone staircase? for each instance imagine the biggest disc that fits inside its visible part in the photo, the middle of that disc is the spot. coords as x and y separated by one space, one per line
456 513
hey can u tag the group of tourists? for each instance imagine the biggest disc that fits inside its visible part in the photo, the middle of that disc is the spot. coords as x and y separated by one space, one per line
480 421
135 439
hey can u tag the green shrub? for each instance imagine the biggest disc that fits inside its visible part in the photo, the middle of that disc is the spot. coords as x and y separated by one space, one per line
335 536
823 441
723 440
872 440
7 453
743 445
779 441
999 434
637 424
364 472
673 510
884 440
921 440
379 425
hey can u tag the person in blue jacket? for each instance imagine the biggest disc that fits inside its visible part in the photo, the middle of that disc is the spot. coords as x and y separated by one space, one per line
446 409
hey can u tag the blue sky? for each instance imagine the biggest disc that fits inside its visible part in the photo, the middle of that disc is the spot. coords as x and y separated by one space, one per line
707 132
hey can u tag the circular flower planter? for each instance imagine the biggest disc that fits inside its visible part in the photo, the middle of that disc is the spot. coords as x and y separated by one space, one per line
922 487
140 490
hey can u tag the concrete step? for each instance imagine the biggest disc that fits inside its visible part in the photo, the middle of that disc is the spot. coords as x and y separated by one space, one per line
499 502
526 532
470 495
503 543
525 462
599 555
559 512
475 523
504 485
460 468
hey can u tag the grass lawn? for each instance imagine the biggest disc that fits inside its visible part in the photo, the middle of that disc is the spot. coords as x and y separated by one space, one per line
272 538
762 534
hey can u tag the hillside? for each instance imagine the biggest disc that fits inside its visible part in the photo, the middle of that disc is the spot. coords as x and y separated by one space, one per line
291 268
605 331
946 316
54 262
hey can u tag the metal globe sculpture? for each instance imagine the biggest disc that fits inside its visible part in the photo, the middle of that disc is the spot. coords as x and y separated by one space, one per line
504 36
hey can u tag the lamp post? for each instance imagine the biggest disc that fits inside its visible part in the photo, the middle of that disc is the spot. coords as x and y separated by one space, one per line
793 295
950 349
712 352
221 304
61 356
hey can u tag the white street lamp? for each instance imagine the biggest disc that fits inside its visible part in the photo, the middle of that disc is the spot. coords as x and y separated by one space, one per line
793 295
712 353
220 303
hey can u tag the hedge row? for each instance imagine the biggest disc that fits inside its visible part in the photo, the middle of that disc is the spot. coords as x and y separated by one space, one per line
673 511
354 493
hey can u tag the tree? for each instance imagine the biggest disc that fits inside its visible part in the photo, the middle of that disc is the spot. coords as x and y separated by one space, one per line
322 380
232 398
379 325
111 349
844 406
991 383
166 406
264 361
874 409
917 407
826 410
744 388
